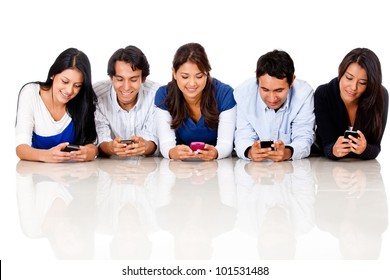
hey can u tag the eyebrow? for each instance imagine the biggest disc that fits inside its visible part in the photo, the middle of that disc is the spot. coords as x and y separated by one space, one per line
132 77
68 80
185 73
346 72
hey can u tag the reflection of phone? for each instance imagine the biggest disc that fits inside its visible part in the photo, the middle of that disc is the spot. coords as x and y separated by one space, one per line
267 144
70 148
351 132
127 141
197 146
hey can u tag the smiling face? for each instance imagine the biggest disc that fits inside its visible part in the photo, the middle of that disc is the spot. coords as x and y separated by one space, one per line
67 84
127 84
353 83
191 81
273 91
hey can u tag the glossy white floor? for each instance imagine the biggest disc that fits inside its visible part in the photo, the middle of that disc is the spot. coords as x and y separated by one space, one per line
153 208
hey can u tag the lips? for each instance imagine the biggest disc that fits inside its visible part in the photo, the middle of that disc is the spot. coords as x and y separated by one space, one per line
66 96
191 90
273 104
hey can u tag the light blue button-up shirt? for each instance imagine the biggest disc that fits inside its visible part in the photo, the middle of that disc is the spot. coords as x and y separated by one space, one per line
293 123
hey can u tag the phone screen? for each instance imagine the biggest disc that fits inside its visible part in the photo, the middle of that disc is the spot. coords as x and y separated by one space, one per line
70 148
266 144
127 141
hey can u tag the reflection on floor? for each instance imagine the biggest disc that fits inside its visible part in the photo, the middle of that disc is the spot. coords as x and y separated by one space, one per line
153 208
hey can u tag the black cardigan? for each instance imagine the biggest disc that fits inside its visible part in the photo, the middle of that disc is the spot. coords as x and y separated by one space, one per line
332 120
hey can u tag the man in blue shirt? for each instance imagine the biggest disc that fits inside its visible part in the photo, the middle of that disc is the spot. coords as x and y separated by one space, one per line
274 106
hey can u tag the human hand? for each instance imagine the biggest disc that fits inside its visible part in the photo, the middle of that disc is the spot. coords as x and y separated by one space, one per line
358 145
137 148
256 153
342 147
280 152
84 153
55 154
208 153
181 152
123 149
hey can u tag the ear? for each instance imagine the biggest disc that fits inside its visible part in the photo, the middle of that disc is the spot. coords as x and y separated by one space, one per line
293 79
173 73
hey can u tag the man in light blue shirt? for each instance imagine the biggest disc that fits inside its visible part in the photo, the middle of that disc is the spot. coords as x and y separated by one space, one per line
274 106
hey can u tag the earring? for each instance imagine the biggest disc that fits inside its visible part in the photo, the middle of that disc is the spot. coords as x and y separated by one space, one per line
51 77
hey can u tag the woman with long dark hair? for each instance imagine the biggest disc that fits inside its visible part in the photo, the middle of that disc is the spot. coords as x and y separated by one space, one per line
58 112
194 107
357 101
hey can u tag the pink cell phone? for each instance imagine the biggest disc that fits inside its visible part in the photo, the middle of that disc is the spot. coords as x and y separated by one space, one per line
197 146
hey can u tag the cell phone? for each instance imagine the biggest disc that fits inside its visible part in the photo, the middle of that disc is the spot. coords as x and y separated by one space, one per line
197 146
267 144
70 148
127 141
351 132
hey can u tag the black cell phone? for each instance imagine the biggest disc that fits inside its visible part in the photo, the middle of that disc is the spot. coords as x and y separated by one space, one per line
351 132
267 144
70 148
127 141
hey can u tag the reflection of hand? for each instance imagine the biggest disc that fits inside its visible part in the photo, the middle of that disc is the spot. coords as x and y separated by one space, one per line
63 173
128 170
201 170
353 183
267 174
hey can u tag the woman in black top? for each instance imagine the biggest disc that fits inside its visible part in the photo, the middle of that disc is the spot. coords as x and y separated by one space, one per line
355 100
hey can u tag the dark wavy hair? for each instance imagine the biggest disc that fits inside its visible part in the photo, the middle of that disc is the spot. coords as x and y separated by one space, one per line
277 64
369 115
82 107
132 55
175 102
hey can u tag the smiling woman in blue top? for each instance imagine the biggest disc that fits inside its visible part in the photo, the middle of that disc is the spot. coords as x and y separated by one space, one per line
194 107
58 112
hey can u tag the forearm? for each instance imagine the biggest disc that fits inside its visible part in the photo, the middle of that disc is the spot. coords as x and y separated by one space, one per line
226 128
91 152
150 148
106 148
26 152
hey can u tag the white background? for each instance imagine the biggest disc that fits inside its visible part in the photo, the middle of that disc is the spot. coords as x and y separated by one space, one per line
234 33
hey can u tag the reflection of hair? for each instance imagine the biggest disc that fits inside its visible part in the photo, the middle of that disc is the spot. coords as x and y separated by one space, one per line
72 243
82 107
130 241
276 238
276 64
132 55
370 109
177 107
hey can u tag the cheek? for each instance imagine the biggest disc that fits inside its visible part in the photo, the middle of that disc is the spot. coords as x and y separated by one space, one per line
181 84
361 90
136 86
76 91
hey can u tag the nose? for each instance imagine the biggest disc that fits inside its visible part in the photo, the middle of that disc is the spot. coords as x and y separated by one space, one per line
126 84
273 95
70 88
192 81
354 85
